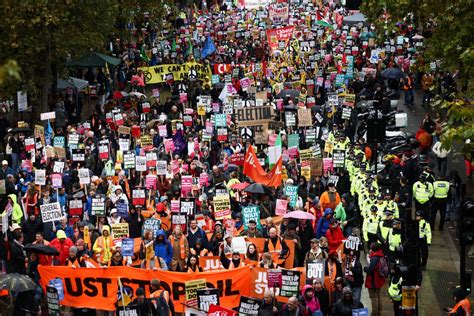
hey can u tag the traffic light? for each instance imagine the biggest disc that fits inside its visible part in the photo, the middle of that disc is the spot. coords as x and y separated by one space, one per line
466 222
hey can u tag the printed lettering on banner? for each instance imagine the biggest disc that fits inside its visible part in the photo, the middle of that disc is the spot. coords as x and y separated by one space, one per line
290 119
98 206
29 143
84 176
352 244
291 191
78 155
119 230
124 130
222 206
161 167
150 181
140 163
191 288
281 207
151 159
57 180
138 197
249 305
129 159
163 131
306 154
346 113
75 207
251 212
174 206
179 219
48 116
151 224
51 212
304 117
187 206
124 144
290 283
40 177
314 270
206 297
220 120
338 158
186 185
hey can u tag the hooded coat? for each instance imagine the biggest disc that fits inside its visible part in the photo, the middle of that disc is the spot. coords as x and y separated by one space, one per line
312 304
373 279
17 213
163 249
103 246
63 248
323 224
335 237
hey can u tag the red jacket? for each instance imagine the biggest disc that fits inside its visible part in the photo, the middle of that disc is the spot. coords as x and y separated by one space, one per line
373 279
63 248
335 237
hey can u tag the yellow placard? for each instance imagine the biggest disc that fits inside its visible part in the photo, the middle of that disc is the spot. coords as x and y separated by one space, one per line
158 74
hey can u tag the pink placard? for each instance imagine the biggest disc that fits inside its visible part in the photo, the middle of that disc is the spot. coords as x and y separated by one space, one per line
150 182
186 185
327 164
281 207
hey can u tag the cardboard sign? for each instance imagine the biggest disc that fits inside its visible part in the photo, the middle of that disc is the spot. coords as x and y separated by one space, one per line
119 230
78 155
140 163
191 288
253 116
314 270
249 305
251 212
151 224
290 283
48 116
40 177
206 298
50 212
222 207
304 117
161 167
84 176
281 207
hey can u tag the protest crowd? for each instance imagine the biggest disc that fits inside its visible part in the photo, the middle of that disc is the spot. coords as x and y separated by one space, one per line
250 160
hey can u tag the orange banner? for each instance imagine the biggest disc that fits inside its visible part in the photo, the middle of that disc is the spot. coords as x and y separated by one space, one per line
287 263
254 170
98 287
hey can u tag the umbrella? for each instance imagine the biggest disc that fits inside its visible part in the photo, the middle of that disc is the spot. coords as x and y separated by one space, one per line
73 83
119 95
231 167
258 188
354 19
290 93
240 186
24 130
137 94
41 249
16 282
417 37
299 215
392 73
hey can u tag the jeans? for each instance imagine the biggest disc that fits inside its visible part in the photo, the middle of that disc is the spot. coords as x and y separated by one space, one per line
356 292
15 161
438 205
442 165
452 209
409 97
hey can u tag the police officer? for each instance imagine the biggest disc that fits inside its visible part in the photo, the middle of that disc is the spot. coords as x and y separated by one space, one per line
390 203
424 231
384 227
371 225
395 239
422 193
395 288
367 201
403 196
441 191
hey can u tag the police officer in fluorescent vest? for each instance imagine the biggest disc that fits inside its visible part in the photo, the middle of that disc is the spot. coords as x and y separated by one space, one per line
371 225
422 193
384 227
395 239
441 192
395 289
424 236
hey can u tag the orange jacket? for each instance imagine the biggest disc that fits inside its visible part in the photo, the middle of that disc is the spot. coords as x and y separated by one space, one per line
326 202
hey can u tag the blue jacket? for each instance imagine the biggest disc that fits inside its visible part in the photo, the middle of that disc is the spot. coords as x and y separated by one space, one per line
323 224
163 249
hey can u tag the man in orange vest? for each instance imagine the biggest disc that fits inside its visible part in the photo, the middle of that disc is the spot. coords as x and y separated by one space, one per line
463 306
180 250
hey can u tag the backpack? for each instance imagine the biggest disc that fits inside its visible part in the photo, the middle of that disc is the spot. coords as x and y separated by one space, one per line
160 306
383 267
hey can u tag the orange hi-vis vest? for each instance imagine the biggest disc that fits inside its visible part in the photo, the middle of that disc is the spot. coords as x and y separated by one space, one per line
232 266
465 305
100 243
182 249
276 248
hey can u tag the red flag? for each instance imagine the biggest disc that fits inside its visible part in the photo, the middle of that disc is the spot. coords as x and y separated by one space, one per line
215 310
253 169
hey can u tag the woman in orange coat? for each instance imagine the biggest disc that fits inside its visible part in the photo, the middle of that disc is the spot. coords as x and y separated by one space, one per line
330 198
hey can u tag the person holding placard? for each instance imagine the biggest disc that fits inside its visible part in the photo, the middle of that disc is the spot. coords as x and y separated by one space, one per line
103 246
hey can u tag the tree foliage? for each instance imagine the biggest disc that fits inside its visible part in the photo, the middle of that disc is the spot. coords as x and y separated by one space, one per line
449 27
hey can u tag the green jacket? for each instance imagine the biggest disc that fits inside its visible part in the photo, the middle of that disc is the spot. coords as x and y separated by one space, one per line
340 213
17 212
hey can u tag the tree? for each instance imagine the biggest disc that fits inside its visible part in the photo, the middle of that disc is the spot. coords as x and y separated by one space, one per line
448 30
39 34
